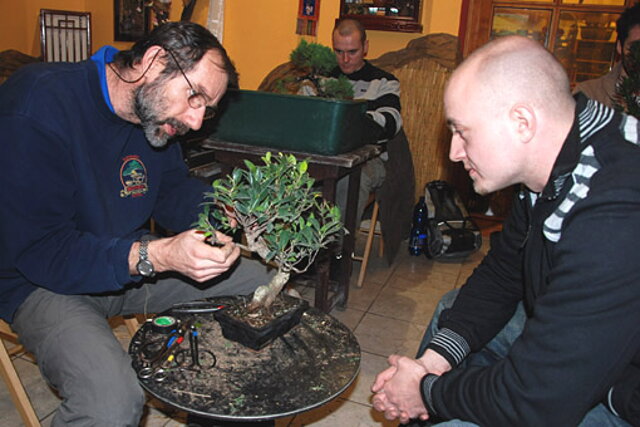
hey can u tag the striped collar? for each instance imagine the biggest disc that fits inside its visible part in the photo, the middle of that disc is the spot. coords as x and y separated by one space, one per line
591 117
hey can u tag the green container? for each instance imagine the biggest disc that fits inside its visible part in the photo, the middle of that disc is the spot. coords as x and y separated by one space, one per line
291 122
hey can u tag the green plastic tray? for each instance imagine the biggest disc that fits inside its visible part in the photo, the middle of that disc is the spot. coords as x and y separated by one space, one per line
291 122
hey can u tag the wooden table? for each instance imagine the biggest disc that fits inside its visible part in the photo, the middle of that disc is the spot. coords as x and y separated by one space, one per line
327 170
306 367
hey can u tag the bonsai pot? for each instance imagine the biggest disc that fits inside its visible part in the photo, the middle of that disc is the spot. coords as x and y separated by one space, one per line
291 122
259 330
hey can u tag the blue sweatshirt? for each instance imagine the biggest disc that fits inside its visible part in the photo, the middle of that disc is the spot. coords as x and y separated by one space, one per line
77 185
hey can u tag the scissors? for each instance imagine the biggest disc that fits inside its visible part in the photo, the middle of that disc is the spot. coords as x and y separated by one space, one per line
204 359
155 355
162 356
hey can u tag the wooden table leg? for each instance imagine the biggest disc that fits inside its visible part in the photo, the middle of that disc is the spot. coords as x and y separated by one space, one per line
348 244
324 261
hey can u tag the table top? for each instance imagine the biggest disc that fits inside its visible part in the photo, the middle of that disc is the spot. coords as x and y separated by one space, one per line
308 366
347 160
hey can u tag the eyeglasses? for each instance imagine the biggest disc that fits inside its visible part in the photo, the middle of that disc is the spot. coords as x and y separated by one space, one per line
196 99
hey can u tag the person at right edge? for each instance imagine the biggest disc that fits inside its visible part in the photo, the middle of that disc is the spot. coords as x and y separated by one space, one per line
603 89
546 330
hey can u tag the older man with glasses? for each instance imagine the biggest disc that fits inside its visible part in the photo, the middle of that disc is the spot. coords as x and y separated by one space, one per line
85 163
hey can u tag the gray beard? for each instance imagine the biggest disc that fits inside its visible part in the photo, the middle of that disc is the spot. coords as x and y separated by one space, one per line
147 103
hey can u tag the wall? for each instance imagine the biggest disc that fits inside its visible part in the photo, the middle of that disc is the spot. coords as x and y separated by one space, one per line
19 22
258 34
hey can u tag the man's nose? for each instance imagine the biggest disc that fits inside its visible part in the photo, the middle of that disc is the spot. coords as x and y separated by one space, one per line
194 117
456 151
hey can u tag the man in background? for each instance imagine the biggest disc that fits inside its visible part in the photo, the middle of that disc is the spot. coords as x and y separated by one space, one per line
380 89
391 174
603 89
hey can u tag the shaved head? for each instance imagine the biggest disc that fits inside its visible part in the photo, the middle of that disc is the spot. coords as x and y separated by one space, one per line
509 108
346 27
516 69
350 45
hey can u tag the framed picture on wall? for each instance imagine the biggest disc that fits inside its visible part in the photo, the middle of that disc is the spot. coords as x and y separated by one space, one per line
130 19
308 9
308 14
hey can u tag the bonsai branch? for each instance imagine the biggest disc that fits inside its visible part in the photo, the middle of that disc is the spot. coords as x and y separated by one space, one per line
283 219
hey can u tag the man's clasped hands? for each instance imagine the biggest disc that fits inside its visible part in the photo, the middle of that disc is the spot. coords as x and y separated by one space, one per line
397 388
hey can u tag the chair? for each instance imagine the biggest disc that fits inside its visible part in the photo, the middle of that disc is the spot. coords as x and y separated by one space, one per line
10 375
371 229
64 35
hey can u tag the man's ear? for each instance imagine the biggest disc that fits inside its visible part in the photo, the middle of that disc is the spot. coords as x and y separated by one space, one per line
619 49
149 60
365 48
523 118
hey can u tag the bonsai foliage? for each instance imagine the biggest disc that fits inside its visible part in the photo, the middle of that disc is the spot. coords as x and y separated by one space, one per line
627 97
314 63
319 59
283 219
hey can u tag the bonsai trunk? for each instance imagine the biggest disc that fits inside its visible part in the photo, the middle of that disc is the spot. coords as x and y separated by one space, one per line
266 294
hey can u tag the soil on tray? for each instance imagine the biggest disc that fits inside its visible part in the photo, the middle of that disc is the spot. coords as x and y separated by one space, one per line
311 364
264 315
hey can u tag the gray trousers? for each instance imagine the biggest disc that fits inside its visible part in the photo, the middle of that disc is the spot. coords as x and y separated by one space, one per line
371 178
497 349
81 358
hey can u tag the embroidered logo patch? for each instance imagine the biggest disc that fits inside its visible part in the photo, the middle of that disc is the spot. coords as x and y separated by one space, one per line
133 176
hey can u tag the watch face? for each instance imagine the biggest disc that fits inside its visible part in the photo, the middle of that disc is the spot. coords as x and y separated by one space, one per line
145 268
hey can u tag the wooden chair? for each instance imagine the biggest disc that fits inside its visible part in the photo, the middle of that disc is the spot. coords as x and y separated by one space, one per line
10 375
371 230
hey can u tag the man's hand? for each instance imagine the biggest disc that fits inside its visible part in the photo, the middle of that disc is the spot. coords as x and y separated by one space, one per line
398 394
397 388
434 363
189 254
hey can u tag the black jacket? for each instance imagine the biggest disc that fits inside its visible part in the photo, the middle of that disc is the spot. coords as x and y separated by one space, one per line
572 254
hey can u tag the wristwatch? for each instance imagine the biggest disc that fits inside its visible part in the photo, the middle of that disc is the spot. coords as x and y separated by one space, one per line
144 266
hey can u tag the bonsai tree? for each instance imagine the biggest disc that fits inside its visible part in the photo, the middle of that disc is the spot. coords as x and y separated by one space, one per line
282 218
627 97
312 64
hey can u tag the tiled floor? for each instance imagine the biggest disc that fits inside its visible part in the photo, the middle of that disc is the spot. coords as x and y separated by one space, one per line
388 315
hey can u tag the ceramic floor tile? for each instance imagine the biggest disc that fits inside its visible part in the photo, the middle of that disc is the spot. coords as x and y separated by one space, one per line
419 283
158 414
411 267
350 317
342 413
384 336
400 304
378 270
360 390
45 422
43 398
362 298
445 266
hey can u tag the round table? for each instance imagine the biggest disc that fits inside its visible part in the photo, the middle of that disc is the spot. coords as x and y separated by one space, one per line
306 367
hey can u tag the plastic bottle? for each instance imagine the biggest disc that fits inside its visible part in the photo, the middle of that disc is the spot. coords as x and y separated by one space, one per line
418 236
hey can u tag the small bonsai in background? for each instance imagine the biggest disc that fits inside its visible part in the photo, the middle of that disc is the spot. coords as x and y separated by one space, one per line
282 218
627 97
312 64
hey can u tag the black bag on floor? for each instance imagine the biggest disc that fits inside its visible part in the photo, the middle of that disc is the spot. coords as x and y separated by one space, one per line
451 233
